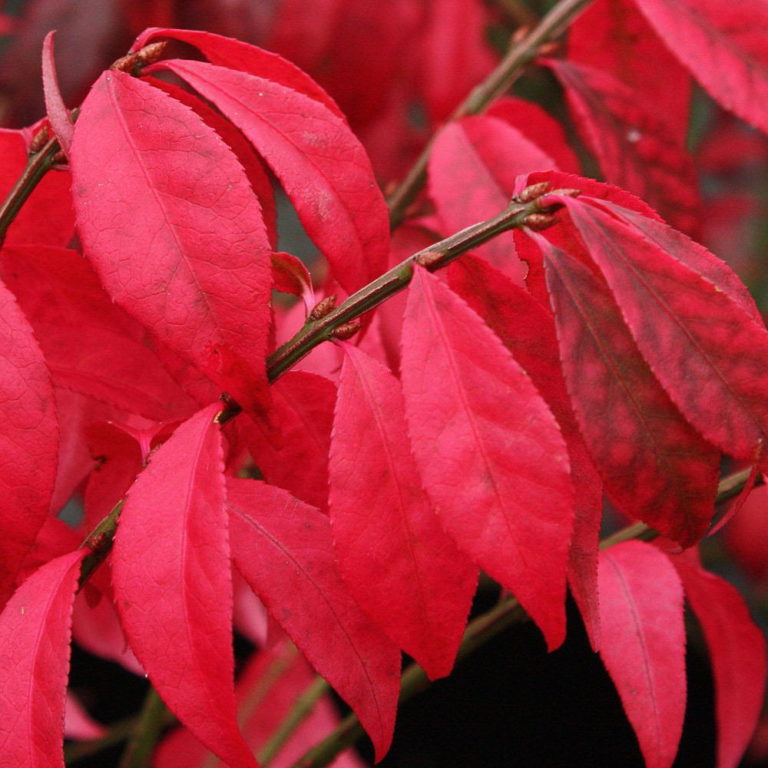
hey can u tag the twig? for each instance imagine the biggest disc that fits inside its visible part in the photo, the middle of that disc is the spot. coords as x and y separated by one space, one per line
507 71
478 632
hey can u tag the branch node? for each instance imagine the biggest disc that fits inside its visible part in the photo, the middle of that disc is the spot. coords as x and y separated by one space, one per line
428 259
539 221
39 140
532 192
323 307
346 330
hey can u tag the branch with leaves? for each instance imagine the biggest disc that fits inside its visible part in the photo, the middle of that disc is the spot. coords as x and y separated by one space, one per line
581 350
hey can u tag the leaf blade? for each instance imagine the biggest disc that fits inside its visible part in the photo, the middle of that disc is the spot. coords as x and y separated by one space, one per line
34 659
194 265
273 533
172 583
473 414
643 644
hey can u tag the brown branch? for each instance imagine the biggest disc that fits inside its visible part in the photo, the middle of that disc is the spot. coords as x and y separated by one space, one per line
508 70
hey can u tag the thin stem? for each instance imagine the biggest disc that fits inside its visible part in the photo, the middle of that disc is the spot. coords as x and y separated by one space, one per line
300 711
37 166
479 631
433 258
507 71
151 722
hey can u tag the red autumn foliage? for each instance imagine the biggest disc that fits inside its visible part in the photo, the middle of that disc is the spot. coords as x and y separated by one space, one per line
238 440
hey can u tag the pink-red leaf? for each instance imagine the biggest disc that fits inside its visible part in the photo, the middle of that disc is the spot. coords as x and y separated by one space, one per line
737 654
488 449
173 586
167 216
655 466
34 662
58 114
398 562
90 345
707 352
613 36
539 126
284 550
642 643
321 165
723 46
635 147
294 455
527 329
29 440
235 54
473 170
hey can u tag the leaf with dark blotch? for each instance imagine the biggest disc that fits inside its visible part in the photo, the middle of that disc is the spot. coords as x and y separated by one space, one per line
34 663
283 548
172 583
707 352
723 46
488 449
169 220
642 643
613 36
398 562
654 465
636 149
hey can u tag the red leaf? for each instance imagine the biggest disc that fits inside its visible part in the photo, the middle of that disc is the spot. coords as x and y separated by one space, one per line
252 164
673 471
613 36
321 165
173 586
689 252
737 653
395 557
528 332
29 440
291 276
90 344
634 146
235 54
168 218
283 548
706 351
489 451
58 114
723 46
539 126
643 644
294 456
34 662
46 217
487 155
455 54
